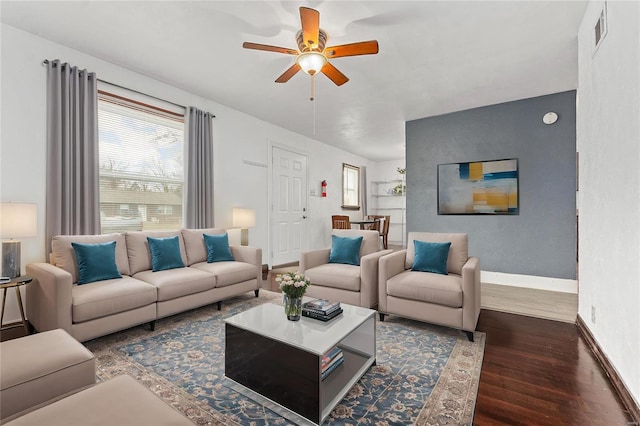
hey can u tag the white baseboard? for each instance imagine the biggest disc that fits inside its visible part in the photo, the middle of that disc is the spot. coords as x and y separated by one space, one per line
530 281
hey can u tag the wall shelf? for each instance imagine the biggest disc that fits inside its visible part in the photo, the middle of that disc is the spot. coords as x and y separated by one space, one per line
384 202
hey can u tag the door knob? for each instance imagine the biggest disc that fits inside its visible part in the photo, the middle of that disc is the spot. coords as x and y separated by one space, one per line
304 217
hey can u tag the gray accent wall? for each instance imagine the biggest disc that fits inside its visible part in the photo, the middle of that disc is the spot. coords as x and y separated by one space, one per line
541 239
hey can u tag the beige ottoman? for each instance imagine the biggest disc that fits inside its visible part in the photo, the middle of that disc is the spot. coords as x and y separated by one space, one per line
116 402
42 367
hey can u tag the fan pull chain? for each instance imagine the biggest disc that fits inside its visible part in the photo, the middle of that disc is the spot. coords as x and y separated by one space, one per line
312 98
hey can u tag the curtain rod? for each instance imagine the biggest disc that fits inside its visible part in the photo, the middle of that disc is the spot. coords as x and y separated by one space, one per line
46 61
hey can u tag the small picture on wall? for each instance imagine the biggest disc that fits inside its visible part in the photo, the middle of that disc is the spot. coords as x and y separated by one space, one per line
482 187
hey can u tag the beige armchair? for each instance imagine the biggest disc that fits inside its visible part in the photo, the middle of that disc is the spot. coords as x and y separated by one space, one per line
355 285
452 300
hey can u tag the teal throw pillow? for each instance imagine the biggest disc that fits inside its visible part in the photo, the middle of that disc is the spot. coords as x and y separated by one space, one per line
345 250
430 257
218 248
165 253
96 262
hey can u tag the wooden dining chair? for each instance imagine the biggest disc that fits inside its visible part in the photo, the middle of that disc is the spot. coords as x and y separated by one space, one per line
382 228
340 222
376 225
384 232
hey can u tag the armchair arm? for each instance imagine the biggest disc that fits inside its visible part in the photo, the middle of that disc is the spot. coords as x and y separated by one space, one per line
313 258
49 297
369 278
471 291
389 266
251 255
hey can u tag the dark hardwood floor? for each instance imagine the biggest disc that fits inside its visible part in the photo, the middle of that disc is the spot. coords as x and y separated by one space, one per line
13 331
538 372
541 372
534 372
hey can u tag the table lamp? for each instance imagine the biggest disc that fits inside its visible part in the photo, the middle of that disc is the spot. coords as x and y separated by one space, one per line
244 219
17 220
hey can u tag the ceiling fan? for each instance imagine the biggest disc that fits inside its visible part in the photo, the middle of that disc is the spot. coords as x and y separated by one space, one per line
312 56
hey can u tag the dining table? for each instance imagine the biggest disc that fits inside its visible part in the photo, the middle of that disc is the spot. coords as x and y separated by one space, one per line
364 222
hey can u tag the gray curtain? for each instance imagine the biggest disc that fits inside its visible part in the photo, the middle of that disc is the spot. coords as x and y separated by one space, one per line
198 169
72 205
363 191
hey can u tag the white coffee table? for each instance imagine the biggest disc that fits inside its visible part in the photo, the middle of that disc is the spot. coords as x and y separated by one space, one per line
280 360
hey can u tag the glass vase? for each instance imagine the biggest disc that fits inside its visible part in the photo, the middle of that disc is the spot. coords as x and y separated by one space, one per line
293 307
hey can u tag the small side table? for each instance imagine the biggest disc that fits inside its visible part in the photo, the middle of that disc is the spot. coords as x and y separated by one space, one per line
15 283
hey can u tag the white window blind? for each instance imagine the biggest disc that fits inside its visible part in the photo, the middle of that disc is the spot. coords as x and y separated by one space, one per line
350 187
141 155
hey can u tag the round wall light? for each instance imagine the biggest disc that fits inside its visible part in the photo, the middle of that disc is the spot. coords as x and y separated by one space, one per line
550 118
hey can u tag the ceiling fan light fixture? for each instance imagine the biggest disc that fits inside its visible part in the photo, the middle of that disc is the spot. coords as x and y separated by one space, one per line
311 62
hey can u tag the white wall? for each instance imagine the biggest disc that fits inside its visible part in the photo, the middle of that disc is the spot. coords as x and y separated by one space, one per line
238 137
608 135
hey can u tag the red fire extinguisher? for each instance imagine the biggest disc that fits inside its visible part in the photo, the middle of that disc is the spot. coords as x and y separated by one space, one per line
324 189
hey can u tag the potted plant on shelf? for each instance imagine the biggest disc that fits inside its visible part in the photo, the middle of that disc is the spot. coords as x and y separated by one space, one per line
400 188
293 286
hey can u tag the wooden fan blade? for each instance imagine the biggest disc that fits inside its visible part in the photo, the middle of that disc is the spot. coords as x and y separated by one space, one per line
361 48
334 75
257 46
288 73
310 19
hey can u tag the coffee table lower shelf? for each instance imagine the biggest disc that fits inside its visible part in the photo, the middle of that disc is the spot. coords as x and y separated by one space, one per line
290 376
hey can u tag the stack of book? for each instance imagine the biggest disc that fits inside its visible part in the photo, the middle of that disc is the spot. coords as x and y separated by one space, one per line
330 361
321 309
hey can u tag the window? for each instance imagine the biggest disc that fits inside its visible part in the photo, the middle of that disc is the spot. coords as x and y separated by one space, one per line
141 169
350 187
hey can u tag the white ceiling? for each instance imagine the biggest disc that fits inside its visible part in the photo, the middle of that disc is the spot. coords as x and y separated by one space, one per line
435 57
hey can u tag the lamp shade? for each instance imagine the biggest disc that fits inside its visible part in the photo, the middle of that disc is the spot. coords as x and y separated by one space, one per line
311 62
18 220
244 218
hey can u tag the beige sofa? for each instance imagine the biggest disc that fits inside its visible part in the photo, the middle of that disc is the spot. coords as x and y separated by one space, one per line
49 378
355 285
55 300
452 300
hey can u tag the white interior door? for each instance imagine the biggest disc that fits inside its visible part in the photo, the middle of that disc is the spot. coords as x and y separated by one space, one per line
289 206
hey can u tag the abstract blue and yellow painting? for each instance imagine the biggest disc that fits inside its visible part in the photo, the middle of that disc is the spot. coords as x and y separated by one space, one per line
482 187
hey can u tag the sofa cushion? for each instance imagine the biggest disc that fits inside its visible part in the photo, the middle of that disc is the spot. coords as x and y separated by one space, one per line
96 262
194 243
103 298
174 283
345 250
165 253
430 257
138 248
458 252
228 273
218 248
40 367
63 256
336 275
439 289
117 401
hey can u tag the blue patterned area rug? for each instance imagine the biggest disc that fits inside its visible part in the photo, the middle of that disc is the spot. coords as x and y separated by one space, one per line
424 375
